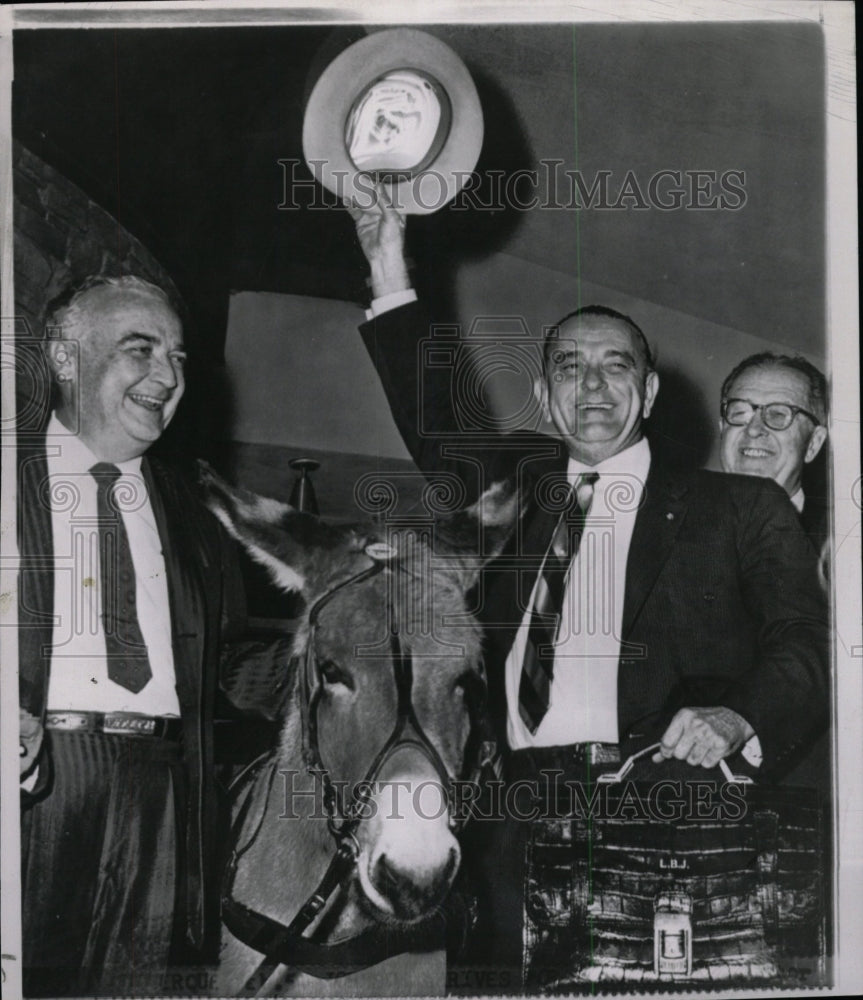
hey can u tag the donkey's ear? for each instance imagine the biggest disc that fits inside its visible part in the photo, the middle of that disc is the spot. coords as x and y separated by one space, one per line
475 535
296 548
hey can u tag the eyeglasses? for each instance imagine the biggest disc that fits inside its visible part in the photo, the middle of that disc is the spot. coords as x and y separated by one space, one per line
776 416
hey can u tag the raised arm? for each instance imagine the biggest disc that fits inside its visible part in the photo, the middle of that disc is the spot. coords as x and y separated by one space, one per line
381 232
422 395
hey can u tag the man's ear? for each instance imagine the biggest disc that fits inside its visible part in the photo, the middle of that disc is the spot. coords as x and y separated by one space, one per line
816 443
540 393
62 360
651 388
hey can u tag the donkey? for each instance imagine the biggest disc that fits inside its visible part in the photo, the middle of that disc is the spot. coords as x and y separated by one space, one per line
343 838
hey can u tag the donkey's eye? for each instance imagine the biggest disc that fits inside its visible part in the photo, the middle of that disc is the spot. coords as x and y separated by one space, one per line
333 674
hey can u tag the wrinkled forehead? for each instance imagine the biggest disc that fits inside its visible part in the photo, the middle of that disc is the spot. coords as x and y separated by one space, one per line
109 313
771 384
594 336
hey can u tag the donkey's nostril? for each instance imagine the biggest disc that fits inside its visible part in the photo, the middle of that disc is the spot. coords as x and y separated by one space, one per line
413 894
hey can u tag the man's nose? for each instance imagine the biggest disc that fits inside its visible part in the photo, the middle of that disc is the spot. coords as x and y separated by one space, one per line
594 377
162 370
756 426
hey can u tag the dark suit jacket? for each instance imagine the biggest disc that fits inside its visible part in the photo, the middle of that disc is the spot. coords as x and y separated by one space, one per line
203 588
721 603
815 519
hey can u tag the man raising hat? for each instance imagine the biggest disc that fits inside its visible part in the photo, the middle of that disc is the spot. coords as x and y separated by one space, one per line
709 632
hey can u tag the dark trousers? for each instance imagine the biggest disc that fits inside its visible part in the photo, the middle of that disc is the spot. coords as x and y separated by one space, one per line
100 867
493 849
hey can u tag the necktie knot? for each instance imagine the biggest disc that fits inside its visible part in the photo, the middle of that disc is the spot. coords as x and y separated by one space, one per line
572 519
105 474
584 489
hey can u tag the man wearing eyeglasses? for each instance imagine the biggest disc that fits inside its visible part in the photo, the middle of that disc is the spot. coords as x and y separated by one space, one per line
773 424
774 412
713 625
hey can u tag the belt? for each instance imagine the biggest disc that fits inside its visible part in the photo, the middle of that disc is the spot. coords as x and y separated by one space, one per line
116 724
571 760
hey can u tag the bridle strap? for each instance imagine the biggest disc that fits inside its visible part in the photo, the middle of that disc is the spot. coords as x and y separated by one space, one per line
325 961
405 717
308 697
284 944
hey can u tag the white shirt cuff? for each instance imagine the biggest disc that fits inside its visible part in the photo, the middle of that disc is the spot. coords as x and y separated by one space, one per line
752 751
392 301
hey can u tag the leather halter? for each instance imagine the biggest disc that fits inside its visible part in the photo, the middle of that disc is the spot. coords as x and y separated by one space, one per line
284 944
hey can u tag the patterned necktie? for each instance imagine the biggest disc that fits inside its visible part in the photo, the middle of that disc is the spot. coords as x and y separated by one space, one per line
538 667
128 663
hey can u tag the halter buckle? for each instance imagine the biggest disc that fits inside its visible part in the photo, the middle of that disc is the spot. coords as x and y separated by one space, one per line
381 551
349 846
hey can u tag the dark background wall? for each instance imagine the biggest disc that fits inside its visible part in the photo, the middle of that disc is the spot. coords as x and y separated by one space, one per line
181 136
60 237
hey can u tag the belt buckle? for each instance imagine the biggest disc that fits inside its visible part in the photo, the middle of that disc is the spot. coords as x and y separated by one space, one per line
138 725
73 721
603 753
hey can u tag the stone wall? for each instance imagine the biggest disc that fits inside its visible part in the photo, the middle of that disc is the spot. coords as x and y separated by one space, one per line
61 237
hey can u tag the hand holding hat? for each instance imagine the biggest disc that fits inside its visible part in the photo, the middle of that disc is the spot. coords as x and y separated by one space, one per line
380 230
400 107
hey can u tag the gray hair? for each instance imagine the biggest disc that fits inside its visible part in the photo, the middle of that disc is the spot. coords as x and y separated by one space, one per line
65 313
815 380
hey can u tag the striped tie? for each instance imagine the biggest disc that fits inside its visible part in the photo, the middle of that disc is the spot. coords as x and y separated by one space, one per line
538 667
126 651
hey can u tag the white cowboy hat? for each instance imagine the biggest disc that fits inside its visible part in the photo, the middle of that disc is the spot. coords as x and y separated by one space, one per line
398 105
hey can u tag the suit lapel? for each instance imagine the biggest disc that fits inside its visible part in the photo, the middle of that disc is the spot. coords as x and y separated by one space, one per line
653 537
540 527
36 578
176 531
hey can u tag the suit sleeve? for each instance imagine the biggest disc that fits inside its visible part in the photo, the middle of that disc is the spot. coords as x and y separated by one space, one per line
786 696
423 399
253 672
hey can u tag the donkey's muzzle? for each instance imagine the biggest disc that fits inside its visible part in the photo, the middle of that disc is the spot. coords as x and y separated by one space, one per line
413 895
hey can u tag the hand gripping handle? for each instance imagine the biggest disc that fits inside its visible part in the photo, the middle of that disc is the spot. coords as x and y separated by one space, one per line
614 777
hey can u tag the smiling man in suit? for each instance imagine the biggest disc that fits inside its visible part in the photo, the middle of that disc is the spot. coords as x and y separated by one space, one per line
637 603
773 423
124 587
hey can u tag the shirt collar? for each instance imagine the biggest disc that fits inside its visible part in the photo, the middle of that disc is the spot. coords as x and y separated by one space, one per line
73 456
634 461
798 500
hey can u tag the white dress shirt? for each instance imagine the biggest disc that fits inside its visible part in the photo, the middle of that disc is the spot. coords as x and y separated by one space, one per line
583 693
79 670
390 301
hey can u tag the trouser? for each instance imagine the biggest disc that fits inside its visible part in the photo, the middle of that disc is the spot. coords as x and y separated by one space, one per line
494 845
100 866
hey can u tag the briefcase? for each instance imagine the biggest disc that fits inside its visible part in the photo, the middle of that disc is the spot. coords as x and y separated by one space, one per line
702 882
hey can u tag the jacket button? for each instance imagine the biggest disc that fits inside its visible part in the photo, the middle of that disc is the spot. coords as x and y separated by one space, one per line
708 596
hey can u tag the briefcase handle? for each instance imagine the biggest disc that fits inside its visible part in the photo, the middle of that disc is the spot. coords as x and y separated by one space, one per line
614 777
